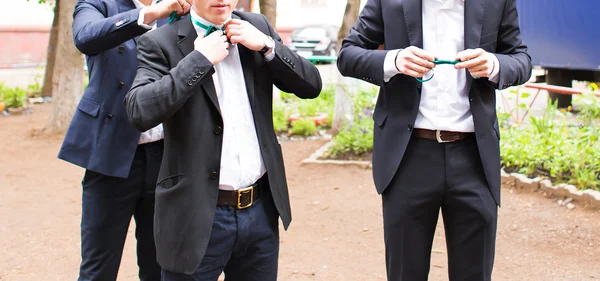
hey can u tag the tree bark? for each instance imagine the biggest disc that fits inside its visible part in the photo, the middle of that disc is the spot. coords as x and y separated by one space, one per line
68 76
345 86
51 54
350 17
269 9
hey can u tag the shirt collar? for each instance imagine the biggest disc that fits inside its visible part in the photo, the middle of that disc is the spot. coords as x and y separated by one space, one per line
448 4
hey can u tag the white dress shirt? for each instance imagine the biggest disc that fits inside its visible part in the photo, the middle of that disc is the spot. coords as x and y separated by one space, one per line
445 98
156 133
241 160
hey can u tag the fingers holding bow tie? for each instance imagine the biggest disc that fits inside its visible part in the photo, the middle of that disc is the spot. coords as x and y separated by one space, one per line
242 32
477 61
214 46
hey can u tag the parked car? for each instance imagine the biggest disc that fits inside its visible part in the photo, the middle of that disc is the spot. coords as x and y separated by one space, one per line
314 40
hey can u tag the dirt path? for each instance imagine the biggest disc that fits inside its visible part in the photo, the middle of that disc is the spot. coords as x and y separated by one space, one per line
336 233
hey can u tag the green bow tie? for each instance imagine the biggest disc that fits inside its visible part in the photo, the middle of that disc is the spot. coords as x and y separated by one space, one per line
209 29
438 62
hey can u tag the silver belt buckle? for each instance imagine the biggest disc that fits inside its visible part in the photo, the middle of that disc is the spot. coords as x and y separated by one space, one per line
438 137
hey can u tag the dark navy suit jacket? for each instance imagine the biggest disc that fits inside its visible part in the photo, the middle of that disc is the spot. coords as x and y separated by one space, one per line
100 137
397 24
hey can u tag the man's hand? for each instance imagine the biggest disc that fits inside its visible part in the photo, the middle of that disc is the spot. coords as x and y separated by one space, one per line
414 62
477 61
213 47
242 32
164 9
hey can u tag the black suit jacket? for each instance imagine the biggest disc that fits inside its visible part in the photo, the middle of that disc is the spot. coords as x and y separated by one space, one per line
397 24
174 86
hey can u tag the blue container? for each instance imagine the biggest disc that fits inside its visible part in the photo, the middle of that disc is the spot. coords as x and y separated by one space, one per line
562 33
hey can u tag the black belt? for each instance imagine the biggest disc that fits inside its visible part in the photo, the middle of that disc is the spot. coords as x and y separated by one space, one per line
241 199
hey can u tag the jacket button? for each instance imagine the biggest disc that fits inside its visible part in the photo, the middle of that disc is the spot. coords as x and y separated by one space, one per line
194 79
121 84
410 127
214 175
218 130
109 116
190 83
121 49
202 70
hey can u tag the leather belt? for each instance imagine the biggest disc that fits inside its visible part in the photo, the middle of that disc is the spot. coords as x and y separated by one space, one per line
440 136
241 199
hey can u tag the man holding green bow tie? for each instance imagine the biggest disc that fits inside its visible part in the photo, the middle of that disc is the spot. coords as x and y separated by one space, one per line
208 78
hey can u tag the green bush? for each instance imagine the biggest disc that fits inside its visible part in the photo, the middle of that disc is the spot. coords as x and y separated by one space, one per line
356 138
304 127
290 104
554 148
280 117
1 92
34 90
13 97
588 107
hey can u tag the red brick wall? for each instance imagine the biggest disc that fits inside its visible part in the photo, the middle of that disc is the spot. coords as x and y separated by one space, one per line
23 45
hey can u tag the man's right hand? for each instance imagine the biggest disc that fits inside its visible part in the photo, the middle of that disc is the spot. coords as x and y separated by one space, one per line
164 9
414 62
213 47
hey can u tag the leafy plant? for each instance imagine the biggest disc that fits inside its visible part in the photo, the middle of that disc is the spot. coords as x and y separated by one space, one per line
14 97
280 117
1 92
34 90
304 127
588 107
553 148
356 138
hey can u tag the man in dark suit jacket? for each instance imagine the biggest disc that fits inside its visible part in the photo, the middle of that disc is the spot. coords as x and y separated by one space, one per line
436 142
121 163
222 182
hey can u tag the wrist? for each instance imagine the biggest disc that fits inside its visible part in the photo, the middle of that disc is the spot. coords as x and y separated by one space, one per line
493 67
396 61
267 45
150 14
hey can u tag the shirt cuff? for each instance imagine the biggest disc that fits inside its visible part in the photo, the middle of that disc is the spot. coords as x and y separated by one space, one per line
271 55
140 21
389 65
494 76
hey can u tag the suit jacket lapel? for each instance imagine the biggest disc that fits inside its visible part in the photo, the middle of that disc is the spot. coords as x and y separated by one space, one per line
474 13
188 35
413 14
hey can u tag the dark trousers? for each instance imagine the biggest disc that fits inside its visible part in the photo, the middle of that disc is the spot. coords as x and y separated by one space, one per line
243 243
108 204
433 176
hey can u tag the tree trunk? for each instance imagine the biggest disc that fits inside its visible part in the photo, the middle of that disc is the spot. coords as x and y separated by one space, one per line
350 17
344 87
68 76
269 9
51 54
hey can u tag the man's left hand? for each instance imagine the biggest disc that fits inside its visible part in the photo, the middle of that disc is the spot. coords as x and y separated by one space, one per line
479 62
242 32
